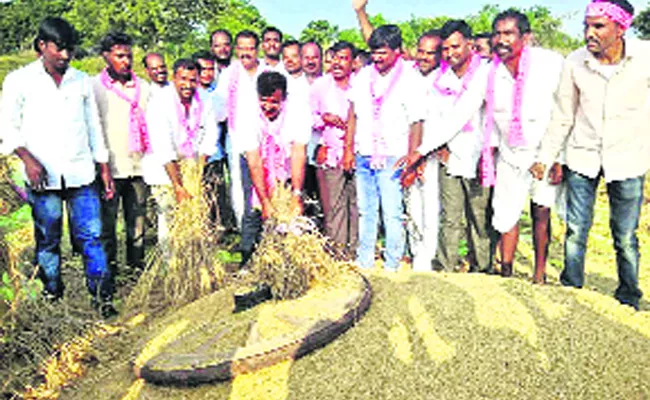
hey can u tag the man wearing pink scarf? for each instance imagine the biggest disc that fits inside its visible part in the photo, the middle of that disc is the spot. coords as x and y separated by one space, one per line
275 145
519 99
384 124
338 194
601 117
122 99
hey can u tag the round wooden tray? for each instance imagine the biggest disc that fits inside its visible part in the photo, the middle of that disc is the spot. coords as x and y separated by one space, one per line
331 310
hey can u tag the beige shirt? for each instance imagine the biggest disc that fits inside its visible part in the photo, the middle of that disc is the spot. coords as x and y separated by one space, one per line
115 114
603 118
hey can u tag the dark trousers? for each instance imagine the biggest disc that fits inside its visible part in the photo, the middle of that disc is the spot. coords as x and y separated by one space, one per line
338 194
251 225
218 195
625 201
133 193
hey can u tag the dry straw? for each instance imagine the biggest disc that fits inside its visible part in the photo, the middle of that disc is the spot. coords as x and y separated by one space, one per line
292 255
186 268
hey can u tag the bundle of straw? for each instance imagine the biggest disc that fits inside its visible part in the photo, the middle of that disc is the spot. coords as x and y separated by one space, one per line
12 196
186 268
292 255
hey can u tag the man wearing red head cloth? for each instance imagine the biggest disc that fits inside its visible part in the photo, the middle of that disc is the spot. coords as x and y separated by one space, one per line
601 117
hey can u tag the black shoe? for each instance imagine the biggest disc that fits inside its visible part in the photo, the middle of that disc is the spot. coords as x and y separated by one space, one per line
105 308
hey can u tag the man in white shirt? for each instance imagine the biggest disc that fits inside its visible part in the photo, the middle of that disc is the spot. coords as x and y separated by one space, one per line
221 47
181 125
272 46
601 116
422 197
384 124
454 121
338 194
311 56
156 69
122 100
519 99
276 144
237 86
49 118
217 191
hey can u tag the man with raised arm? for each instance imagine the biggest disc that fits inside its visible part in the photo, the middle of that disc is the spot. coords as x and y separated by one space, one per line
49 119
122 101
384 124
337 187
601 117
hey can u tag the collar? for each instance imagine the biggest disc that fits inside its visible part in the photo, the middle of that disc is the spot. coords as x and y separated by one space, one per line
128 84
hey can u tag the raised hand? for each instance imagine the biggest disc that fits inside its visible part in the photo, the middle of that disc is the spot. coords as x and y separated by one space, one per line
359 4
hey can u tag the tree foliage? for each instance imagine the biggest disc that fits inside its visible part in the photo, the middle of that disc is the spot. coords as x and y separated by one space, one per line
176 25
545 26
642 23
321 32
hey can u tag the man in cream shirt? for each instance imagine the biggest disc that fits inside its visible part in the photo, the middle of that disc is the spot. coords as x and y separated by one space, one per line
601 117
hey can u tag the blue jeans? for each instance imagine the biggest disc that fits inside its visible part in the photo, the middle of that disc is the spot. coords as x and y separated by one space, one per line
625 199
85 227
373 187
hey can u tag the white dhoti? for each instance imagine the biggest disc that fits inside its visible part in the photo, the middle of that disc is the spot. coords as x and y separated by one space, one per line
236 190
423 207
513 188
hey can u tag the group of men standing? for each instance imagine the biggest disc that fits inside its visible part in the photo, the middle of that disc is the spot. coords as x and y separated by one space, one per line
458 139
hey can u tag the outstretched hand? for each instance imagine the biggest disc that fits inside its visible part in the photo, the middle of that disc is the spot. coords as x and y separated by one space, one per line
359 4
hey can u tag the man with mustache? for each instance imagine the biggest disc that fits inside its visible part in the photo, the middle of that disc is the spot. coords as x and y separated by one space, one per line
384 124
156 69
238 86
601 117
482 45
422 199
181 126
311 56
519 99
122 101
49 119
337 188
221 47
276 145
454 121
271 47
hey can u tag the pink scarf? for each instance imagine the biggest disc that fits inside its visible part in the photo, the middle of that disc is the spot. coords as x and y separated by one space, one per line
274 155
515 135
233 85
603 8
475 63
334 137
196 111
138 133
380 149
